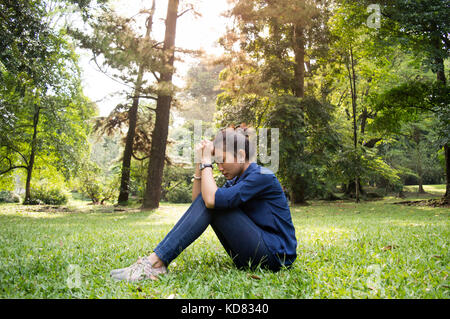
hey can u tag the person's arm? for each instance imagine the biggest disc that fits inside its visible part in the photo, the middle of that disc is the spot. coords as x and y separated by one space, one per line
196 188
208 184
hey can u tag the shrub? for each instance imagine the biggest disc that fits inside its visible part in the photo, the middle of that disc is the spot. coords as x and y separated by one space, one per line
9 197
98 191
47 195
181 193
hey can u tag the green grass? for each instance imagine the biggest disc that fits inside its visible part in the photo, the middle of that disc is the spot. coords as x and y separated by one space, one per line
345 250
432 189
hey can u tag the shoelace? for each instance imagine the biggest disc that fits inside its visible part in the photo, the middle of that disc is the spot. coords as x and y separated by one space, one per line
144 268
137 265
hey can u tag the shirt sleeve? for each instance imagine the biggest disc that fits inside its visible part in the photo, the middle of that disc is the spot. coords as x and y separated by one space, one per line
235 195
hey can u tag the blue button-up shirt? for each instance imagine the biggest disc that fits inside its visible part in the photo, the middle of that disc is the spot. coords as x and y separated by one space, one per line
259 194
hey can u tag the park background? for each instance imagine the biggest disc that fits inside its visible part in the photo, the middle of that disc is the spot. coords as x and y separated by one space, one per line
97 99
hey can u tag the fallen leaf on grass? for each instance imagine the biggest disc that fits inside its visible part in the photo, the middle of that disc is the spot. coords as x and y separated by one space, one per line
437 256
255 277
389 247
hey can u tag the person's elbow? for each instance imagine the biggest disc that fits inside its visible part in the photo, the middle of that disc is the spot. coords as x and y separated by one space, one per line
209 200
209 203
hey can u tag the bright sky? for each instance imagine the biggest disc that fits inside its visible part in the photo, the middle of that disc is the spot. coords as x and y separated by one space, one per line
192 33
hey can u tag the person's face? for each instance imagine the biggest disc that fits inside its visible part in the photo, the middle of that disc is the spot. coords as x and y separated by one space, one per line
228 165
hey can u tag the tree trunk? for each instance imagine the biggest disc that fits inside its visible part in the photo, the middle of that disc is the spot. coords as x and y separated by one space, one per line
299 71
440 77
32 155
128 152
297 193
352 79
447 172
350 189
132 121
298 45
439 62
417 136
159 136
421 190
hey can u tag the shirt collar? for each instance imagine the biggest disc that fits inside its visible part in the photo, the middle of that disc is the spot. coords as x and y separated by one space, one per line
250 168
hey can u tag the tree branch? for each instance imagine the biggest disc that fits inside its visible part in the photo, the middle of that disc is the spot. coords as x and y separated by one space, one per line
147 97
156 76
17 151
11 167
187 10
342 97
104 72
371 143
138 158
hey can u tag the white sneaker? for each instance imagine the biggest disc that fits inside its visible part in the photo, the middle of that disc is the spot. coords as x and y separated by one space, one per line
140 270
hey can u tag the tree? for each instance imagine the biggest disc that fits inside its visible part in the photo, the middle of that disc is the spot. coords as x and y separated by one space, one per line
409 102
162 112
98 187
132 118
358 68
424 27
278 42
44 113
132 57
198 99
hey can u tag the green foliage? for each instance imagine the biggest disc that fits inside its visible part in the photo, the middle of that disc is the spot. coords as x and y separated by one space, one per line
197 100
307 144
46 194
414 152
420 26
181 193
9 197
7 181
177 184
113 40
274 38
45 114
346 165
105 152
408 101
98 187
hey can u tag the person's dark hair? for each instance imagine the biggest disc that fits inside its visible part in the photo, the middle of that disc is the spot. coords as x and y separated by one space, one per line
235 138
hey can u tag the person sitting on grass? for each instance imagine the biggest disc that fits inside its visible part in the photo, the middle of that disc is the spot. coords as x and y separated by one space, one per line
249 214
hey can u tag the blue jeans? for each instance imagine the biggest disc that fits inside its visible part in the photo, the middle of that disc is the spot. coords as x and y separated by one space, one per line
238 234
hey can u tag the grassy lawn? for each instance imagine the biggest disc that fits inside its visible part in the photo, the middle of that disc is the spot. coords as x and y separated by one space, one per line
432 189
345 250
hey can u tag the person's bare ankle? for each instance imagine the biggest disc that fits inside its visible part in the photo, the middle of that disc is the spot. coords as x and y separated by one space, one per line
155 261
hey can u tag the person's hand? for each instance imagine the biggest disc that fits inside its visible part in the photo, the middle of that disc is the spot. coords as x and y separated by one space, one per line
199 151
208 148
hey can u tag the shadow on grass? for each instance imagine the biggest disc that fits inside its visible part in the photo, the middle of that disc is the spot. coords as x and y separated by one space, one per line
72 214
